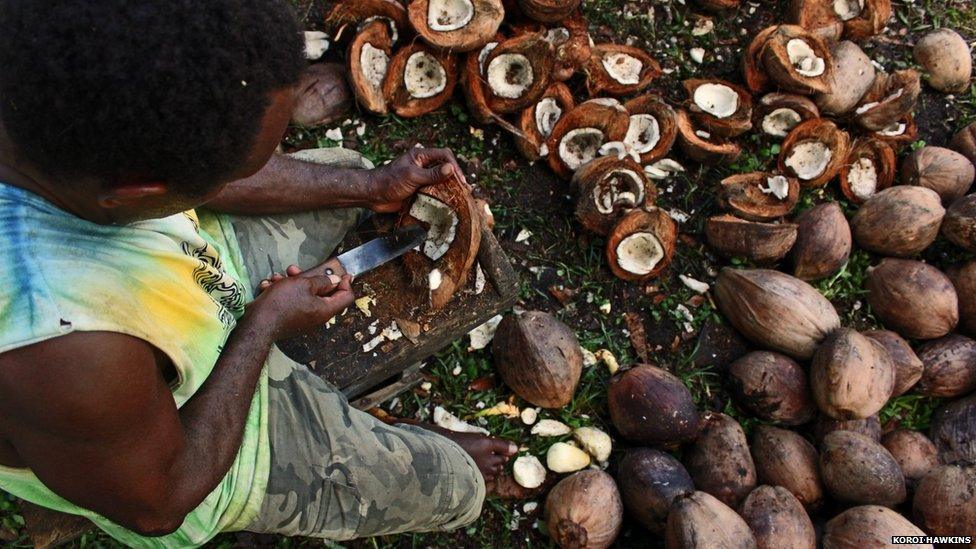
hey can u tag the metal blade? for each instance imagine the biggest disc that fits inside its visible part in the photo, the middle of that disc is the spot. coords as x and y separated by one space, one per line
381 250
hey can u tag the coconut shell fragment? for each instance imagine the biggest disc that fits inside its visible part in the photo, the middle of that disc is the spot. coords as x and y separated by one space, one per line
700 521
474 85
950 367
456 25
856 469
517 72
798 61
719 107
752 69
890 98
908 367
959 225
943 170
650 481
851 376
615 69
702 146
900 221
605 189
644 392
578 135
324 95
347 18
761 243
817 16
823 242
369 58
912 298
584 510
777 519
719 460
953 430
538 120
870 168
853 76
946 59
653 127
641 245
419 80
759 196
776 114
784 458
863 18
867 526
538 357
772 387
945 500
914 452
814 152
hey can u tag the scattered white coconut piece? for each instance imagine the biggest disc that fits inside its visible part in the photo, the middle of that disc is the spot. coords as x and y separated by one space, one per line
449 15
523 235
694 285
809 159
426 386
547 113
482 335
374 327
550 428
501 409
605 307
579 146
529 415
639 253
894 130
863 178
777 186
623 68
316 44
779 122
589 358
530 506
510 75
451 422
479 279
663 169
848 9
434 279
703 134
373 343
566 458
456 371
392 332
717 100
528 472
334 134
363 304
702 27
594 441
442 224
805 61
697 54
606 357
424 76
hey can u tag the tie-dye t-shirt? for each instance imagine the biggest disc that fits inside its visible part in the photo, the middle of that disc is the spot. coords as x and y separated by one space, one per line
177 283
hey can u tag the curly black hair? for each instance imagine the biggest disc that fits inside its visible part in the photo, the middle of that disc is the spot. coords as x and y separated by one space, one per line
167 90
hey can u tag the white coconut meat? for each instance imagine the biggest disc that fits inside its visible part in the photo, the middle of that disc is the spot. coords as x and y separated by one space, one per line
863 178
779 122
579 146
316 44
643 134
389 23
434 279
510 75
424 76
703 134
449 15
374 63
848 9
777 186
528 472
547 113
442 225
618 149
663 169
894 130
809 159
618 188
639 253
623 68
804 60
717 100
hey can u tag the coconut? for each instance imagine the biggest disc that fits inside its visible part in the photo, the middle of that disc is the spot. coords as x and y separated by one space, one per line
563 457
324 95
719 460
538 357
528 472
856 469
578 135
869 427
914 453
703 147
950 367
584 510
823 242
867 526
943 170
456 25
777 519
964 280
890 98
945 501
817 16
539 119
615 69
759 242
644 392
959 225
775 310
772 387
607 188
369 58
797 60
640 246
899 134
946 59
908 368
357 15
851 376
853 76
649 482
569 37
863 18
516 73
953 430
870 168
752 69
474 84
759 196
964 142
548 11
653 127
784 458
719 107
776 114
900 221
814 152
419 80
699 521
912 298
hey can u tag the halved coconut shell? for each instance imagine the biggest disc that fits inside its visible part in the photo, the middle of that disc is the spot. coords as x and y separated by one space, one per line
607 188
577 137
419 80
719 107
548 11
615 69
814 152
869 20
891 98
641 244
473 82
369 58
653 127
798 61
758 242
870 168
901 133
760 196
752 67
702 146
349 17
817 16
538 120
776 114
456 25
516 73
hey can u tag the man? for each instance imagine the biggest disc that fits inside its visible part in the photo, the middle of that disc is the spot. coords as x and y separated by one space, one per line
139 383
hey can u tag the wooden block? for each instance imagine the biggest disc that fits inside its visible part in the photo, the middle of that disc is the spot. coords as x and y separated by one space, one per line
48 528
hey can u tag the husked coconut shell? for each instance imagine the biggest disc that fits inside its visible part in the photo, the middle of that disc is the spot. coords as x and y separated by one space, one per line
777 519
347 18
772 387
943 170
759 196
775 310
584 510
615 69
719 460
650 481
964 281
798 61
538 357
776 114
964 142
607 188
474 84
817 16
324 95
867 526
699 521
945 500
914 452
870 168
869 427
641 244
517 72
456 25
853 76
578 135
953 430
719 107
946 59
539 119
899 134
369 58
702 146
950 367
756 241
908 367
863 18
823 242
784 458
851 376
752 70
856 469
912 298
548 11
900 221
653 127
419 80
814 152
644 392
890 98
959 225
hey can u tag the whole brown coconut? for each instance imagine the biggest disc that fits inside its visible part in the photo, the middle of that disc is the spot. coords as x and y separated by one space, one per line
759 242
641 244
964 142
324 95
607 188
869 427
702 146
644 392
772 387
419 80
538 120
851 376
539 357
719 107
814 152
699 521
577 137
653 127
823 242
778 113
954 430
719 460
890 98
759 196
959 225
943 170
900 221
964 281
615 69
914 452
912 298
867 526
858 470
368 58
777 519
584 511
945 57
870 168
950 367
798 61
517 73
649 482
908 368
853 75
775 310
784 458
446 26
945 501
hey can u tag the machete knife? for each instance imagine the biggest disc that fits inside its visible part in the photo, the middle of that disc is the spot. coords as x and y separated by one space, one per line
376 252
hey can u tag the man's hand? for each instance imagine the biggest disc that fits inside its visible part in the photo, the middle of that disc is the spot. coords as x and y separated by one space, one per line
297 304
399 180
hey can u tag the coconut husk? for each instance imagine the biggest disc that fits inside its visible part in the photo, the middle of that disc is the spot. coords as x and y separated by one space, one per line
744 195
943 502
539 55
823 242
599 82
548 11
883 105
859 470
473 83
649 482
532 142
606 115
752 68
773 387
770 104
914 452
943 170
882 157
395 89
735 124
912 298
900 221
817 16
597 188
824 425
959 225
853 76
851 376
823 131
785 458
377 35
654 221
324 95
347 18
903 132
488 16
867 526
964 142
777 518
945 58
781 71
761 243
871 21
719 460
964 281
711 150
908 368
652 104
949 371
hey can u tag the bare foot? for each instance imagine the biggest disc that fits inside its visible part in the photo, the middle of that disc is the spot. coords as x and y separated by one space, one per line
490 453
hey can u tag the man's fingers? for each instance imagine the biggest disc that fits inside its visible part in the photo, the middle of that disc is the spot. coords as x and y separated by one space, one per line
293 270
323 285
439 174
430 157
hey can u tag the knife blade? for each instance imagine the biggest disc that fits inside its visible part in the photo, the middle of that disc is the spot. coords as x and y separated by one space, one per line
376 252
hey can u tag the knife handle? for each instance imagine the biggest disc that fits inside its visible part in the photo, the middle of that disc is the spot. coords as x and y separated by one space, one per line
333 267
